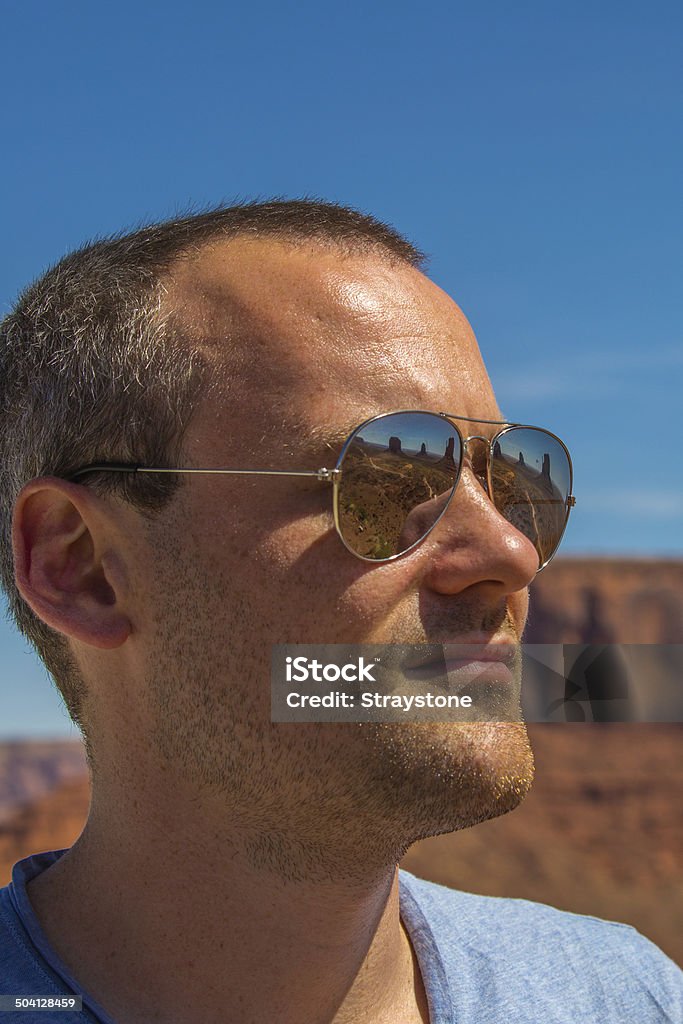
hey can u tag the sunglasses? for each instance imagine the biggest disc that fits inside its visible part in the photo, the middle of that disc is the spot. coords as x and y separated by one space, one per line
397 473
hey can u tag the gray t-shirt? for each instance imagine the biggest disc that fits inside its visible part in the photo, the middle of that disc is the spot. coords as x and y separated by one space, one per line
484 960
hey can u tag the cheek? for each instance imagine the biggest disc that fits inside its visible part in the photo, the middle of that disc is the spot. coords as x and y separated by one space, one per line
291 569
319 585
301 550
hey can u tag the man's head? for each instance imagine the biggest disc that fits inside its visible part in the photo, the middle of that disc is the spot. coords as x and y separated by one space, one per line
170 601
94 363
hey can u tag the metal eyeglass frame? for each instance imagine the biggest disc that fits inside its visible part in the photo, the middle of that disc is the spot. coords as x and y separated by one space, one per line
333 476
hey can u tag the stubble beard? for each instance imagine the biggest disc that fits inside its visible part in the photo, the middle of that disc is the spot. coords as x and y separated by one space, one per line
316 801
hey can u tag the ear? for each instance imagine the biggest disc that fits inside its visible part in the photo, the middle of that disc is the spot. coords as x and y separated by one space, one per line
68 566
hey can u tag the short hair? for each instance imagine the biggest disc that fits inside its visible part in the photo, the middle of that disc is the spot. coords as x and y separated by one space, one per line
90 369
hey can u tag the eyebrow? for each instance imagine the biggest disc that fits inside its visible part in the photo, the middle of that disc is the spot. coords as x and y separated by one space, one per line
317 441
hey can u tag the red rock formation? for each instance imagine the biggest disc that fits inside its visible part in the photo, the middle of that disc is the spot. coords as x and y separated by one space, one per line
600 833
603 600
31 768
52 822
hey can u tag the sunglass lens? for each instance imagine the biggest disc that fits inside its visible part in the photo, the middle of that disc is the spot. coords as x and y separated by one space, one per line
531 481
398 473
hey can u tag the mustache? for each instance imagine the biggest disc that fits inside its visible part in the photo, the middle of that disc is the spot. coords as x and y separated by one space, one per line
464 621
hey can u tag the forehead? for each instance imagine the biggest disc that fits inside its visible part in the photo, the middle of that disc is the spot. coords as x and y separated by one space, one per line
312 342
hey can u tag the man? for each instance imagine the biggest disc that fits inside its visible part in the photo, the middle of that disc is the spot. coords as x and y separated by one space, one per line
232 868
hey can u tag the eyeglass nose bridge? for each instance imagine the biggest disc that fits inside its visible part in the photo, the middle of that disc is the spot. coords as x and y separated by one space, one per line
475 437
487 447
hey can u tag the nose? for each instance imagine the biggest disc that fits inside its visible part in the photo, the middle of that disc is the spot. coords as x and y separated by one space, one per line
473 544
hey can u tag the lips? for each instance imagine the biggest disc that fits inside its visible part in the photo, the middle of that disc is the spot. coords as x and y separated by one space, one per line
485 668
454 654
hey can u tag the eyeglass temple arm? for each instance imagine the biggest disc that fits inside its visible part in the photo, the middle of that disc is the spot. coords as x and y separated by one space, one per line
112 467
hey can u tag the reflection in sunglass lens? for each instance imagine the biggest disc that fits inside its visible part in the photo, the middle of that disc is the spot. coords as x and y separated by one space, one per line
531 481
398 473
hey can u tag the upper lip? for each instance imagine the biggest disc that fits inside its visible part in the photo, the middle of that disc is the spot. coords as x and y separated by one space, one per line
485 648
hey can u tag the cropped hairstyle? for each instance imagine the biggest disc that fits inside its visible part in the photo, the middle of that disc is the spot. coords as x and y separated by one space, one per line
90 369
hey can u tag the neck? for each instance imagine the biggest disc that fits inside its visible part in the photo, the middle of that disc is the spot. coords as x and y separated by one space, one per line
167 910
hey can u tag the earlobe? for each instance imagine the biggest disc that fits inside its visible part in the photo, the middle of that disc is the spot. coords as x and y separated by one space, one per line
62 549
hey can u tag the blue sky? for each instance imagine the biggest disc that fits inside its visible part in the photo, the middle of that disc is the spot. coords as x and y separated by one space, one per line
533 150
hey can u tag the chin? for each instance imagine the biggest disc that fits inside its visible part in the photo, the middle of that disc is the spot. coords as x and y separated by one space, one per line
442 778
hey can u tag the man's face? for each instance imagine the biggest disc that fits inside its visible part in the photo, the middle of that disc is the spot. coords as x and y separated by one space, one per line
304 339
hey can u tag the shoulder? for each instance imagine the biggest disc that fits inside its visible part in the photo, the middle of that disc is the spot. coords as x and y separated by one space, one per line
23 967
24 970
495 922
18 965
534 945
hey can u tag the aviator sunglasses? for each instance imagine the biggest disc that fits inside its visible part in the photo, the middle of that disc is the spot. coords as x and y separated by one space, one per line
397 473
